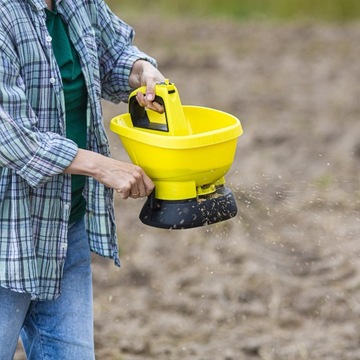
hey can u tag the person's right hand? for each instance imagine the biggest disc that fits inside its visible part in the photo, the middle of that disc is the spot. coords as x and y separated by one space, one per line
127 179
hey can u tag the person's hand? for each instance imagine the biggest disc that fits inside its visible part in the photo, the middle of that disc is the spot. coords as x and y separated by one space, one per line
144 73
127 179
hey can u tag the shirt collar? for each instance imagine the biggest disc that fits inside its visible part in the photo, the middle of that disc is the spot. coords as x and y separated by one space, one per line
40 4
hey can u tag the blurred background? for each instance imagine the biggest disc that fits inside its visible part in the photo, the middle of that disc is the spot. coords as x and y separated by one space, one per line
281 280
245 10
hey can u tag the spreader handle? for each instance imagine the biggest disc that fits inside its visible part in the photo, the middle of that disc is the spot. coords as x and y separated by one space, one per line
140 118
172 121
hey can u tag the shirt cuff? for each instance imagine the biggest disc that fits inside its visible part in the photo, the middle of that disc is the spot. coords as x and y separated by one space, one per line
52 157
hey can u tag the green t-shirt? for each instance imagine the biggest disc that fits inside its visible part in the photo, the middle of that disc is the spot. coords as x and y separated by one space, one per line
75 100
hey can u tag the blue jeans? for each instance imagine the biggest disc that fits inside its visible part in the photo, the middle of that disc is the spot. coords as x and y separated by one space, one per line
60 329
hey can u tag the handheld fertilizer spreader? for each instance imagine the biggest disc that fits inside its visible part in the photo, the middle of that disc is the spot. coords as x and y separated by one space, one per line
186 151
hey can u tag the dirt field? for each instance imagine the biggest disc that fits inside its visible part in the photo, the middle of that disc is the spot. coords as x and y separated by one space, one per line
281 281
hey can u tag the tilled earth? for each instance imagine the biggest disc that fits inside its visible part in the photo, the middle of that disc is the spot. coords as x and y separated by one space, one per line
280 281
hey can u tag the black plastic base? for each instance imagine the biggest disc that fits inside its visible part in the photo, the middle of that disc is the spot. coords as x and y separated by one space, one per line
185 214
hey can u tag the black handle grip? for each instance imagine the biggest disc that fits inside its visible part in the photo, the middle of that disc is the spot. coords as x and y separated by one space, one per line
140 118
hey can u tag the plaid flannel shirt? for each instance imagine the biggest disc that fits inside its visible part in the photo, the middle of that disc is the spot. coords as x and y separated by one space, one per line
35 194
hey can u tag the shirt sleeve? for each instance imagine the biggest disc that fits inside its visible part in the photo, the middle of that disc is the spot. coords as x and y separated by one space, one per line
36 156
117 55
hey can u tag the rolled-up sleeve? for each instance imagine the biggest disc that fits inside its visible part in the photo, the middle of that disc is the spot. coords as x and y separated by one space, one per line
36 156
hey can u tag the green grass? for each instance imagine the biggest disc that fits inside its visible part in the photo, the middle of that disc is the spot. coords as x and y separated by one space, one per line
323 181
273 10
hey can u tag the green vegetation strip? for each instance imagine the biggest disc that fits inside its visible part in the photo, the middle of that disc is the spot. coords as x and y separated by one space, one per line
272 10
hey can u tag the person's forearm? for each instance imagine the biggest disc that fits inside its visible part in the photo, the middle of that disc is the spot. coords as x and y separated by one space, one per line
85 163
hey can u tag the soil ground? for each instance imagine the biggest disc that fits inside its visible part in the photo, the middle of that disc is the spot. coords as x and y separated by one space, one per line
281 280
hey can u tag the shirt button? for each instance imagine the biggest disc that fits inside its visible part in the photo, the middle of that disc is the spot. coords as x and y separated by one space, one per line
48 38
52 80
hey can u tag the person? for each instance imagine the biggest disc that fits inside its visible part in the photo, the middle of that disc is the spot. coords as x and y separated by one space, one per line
57 61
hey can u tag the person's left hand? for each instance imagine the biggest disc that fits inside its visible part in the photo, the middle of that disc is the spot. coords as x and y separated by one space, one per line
144 73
